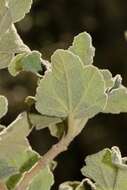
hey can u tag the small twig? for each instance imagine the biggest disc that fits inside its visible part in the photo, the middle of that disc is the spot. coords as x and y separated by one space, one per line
56 149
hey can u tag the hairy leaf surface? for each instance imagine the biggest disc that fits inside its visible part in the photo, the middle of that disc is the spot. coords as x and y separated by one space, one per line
40 121
14 147
82 46
10 44
70 88
107 169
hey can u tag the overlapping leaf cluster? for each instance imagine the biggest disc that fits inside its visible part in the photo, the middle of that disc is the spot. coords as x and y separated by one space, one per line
70 88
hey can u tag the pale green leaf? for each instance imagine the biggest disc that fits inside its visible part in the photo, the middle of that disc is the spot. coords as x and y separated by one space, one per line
10 44
5 59
18 8
109 82
107 169
82 46
40 121
25 62
42 181
14 147
5 18
3 106
70 88
12 11
117 101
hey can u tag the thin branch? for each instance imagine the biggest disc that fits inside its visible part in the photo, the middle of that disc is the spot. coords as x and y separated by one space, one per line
56 149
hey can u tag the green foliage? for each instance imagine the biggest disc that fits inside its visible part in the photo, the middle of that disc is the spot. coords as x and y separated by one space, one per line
107 169
82 46
70 92
70 88
25 62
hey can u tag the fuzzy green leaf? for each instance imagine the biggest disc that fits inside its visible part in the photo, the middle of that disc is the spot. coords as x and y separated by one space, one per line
3 106
82 46
40 121
14 147
109 82
107 169
117 101
10 44
25 62
70 88
43 180
5 18
18 8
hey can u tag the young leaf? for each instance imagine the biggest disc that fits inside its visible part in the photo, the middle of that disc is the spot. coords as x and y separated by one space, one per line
40 121
43 180
82 46
70 88
3 106
117 101
25 62
14 147
107 169
117 97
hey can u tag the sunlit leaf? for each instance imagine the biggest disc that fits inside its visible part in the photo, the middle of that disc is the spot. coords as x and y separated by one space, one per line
70 88
82 46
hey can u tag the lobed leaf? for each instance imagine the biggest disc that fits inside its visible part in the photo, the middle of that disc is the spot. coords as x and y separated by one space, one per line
107 169
82 46
70 88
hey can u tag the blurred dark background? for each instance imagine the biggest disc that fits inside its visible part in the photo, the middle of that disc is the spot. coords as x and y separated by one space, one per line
52 24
